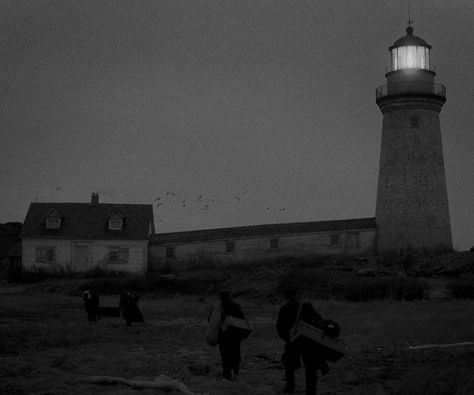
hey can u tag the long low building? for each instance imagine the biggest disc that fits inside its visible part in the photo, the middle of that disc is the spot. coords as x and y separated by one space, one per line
263 242
79 237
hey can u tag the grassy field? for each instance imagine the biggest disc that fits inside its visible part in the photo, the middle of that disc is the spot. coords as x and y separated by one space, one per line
47 346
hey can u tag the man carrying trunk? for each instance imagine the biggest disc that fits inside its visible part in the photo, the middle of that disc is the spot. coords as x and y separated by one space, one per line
229 341
288 315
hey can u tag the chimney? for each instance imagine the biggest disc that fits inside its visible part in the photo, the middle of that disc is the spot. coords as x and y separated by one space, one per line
95 199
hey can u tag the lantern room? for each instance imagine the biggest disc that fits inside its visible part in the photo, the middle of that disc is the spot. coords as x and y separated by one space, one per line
410 52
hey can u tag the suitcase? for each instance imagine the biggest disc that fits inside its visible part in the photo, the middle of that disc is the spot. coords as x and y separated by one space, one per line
309 337
105 311
236 327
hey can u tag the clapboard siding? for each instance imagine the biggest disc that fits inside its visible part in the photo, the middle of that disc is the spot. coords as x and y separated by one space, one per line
62 249
351 242
137 259
96 251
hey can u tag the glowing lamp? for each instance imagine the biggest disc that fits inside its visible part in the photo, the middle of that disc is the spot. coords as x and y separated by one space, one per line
410 52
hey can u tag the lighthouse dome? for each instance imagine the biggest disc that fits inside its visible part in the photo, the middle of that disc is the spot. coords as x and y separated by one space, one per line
410 40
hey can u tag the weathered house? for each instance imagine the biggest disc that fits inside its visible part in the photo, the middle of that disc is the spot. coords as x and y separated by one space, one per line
263 242
78 237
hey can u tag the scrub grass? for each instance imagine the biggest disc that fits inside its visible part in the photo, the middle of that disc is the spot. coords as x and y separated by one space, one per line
462 288
47 346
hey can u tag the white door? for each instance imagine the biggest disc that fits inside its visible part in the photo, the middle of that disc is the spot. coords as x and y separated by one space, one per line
81 257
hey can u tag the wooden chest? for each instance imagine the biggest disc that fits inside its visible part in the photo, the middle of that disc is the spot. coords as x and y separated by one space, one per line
314 339
237 327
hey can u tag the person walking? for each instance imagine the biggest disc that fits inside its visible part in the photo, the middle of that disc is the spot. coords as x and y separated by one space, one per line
228 341
95 303
91 305
129 306
288 315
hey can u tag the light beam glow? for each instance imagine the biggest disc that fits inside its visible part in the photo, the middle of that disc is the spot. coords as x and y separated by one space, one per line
410 57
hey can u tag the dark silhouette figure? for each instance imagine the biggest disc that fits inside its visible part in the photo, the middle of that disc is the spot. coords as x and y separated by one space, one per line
287 318
229 341
91 305
129 307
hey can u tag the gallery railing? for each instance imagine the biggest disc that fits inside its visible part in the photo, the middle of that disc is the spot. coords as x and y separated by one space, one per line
401 88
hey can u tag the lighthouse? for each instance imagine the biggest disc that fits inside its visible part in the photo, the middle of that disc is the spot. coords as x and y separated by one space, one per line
412 210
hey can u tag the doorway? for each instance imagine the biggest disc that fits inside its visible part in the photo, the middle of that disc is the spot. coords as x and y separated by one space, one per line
81 257
352 243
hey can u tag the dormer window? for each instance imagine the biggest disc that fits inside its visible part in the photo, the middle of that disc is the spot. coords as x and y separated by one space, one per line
53 220
115 222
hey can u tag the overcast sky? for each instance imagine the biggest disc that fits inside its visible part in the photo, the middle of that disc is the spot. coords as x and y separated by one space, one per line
249 112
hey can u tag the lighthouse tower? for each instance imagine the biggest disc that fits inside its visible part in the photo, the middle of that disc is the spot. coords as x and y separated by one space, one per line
412 203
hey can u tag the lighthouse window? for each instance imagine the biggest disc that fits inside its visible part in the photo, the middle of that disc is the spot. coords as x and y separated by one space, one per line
414 121
410 57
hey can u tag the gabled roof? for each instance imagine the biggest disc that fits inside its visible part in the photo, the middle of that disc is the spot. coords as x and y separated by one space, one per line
88 221
115 213
52 212
264 230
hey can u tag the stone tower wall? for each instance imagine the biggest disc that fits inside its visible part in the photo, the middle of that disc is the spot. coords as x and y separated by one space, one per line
412 205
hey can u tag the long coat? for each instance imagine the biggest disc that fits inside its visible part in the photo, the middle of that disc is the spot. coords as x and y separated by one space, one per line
287 318
229 345
91 301
129 306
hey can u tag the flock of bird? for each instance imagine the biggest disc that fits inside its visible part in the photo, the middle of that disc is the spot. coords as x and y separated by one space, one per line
203 202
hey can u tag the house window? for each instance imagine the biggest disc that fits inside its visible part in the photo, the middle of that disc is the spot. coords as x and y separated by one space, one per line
45 254
123 256
274 244
229 246
414 121
334 240
53 220
118 255
170 253
114 255
115 222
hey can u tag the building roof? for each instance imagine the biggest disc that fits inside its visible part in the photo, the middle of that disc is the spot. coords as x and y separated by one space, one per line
263 230
410 39
88 221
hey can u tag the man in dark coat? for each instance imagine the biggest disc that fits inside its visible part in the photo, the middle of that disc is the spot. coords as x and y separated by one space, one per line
91 305
229 343
287 317
129 306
